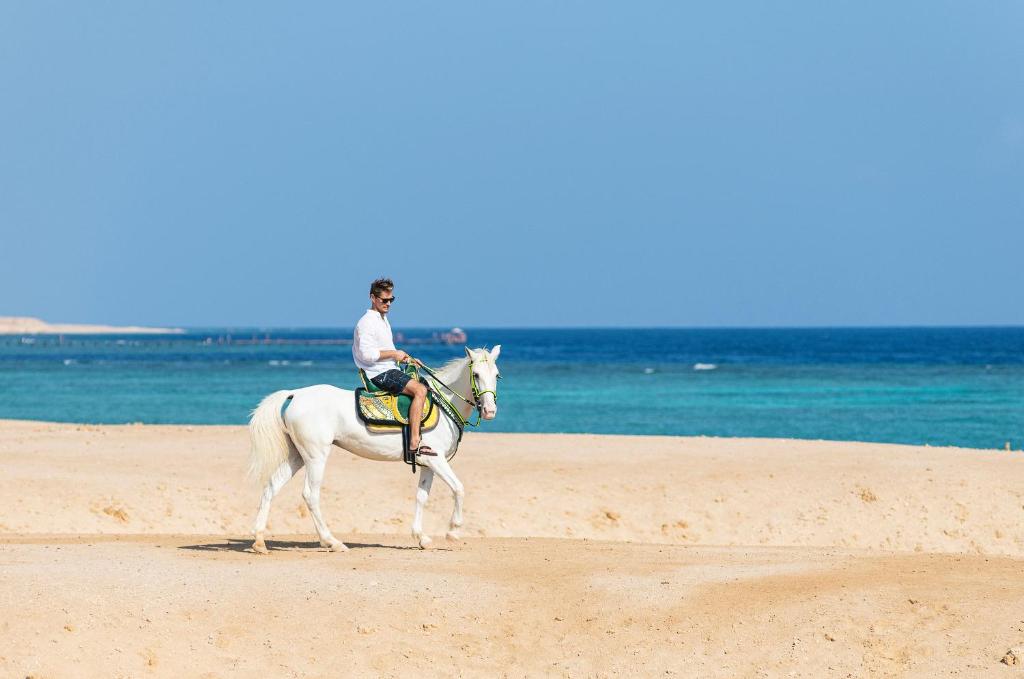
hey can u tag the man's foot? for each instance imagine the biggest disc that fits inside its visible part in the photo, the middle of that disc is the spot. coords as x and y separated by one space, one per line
422 450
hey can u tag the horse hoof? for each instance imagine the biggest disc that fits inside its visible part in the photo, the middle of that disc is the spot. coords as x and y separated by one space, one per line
337 546
452 536
425 542
260 547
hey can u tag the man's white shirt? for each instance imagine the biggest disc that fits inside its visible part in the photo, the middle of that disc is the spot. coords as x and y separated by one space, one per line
372 336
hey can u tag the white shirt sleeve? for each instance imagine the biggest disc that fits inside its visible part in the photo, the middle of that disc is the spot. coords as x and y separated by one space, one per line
366 345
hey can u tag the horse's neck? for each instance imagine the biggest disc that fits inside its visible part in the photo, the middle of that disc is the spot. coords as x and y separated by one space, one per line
456 376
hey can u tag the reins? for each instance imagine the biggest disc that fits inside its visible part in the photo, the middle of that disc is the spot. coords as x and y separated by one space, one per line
451 410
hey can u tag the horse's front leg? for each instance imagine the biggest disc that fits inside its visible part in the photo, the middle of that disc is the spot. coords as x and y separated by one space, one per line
422 493
444 470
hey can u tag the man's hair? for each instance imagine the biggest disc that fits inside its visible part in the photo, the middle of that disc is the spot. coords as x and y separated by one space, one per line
381 285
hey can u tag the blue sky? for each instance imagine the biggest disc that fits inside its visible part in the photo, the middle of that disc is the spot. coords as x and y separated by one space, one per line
513 164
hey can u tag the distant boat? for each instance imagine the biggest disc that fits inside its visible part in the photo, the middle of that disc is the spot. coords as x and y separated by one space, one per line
453 336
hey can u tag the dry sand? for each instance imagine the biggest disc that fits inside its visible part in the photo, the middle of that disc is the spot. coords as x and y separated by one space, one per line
25 325
123 552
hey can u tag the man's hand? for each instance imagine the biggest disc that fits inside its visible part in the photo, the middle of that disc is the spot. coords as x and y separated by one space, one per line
400 356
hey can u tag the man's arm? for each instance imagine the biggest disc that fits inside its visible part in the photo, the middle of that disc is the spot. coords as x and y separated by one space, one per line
365 348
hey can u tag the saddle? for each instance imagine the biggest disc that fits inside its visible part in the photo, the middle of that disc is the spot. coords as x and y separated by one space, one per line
383 413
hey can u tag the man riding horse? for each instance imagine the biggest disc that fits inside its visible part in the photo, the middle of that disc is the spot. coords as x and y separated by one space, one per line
293 429
373 349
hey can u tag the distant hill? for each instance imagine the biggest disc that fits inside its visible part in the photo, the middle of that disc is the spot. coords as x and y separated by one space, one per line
24 325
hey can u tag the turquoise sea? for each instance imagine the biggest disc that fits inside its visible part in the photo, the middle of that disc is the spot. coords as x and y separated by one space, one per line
938 386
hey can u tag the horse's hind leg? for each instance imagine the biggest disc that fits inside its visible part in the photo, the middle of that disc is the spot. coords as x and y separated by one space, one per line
444 470
278 479
422 493
315 466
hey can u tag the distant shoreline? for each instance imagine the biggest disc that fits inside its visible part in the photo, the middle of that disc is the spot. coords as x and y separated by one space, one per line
24 325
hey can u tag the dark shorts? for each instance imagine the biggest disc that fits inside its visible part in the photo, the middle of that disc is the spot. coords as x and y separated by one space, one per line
392 381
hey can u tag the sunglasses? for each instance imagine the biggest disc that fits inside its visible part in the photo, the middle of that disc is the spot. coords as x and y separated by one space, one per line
387 300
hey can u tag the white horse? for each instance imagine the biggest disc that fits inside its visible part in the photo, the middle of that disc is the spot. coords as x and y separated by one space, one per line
297 427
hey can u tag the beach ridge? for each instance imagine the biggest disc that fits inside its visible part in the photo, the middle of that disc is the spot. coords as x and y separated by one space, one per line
27 325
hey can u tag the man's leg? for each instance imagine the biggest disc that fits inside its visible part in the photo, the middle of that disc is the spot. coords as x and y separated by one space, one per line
418 392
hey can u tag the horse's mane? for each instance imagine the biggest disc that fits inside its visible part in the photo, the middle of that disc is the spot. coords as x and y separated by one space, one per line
450 370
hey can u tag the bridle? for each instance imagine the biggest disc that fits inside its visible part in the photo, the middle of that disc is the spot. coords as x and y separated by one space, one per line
477 393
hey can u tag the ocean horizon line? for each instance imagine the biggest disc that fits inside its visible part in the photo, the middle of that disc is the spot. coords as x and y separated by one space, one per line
191 328
178 328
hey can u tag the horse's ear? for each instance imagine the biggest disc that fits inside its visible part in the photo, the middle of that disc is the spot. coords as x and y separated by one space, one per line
495 351
468 352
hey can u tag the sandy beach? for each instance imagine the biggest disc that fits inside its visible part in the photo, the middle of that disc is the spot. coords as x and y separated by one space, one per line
124 552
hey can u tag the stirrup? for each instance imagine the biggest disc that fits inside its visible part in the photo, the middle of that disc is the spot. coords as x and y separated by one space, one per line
410 454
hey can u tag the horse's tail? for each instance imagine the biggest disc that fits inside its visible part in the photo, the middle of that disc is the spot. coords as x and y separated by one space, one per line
268 437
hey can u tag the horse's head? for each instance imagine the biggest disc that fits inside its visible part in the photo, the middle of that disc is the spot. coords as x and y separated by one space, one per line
483 367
